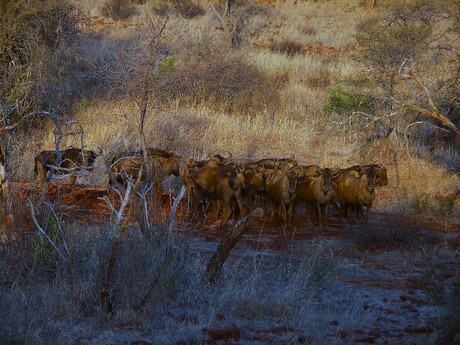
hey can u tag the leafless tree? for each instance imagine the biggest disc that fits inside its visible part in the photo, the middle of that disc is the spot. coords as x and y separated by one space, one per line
119 226
407 71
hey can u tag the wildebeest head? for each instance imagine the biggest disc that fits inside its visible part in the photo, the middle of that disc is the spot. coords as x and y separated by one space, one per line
381 178
371 180
74 157
327 181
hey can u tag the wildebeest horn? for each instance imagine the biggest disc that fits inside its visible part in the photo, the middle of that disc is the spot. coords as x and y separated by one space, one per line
212 154
101 151
229 155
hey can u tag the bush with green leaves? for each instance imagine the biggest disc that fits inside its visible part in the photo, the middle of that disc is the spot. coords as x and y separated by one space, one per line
345 101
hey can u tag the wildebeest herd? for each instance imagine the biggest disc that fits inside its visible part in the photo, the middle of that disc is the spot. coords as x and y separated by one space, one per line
232 188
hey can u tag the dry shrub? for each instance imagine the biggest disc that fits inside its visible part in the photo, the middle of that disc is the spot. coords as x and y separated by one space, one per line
223 79
321 79
308 30
186 8
288 47
118 9
33 35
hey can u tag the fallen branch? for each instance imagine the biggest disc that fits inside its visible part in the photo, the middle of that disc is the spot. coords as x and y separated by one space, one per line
407 71
228 242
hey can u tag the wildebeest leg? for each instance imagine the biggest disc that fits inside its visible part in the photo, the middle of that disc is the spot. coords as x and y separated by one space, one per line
41 175
307 211
348 209
73 181
326 212
274 208
283 212
250 201
290 211
242 210
226 215
319 214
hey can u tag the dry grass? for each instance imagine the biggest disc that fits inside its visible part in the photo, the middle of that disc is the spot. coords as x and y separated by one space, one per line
275 110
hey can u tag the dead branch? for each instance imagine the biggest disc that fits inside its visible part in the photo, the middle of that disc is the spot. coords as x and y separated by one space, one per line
172 215
25 117
227 25
228 242
419 123
64 256
407 71
106 293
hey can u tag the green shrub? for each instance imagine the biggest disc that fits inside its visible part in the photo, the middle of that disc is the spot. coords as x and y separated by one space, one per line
446 204
167 65
44 251
345 101
420 202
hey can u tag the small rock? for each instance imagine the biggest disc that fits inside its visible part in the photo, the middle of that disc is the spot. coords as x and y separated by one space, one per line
223 333
415 329
305 339
344 334
412 291
385 300
282 329
404 298
82 341
364 338
140 342
365 306
263 336
334 323
418 301
220 316
376 332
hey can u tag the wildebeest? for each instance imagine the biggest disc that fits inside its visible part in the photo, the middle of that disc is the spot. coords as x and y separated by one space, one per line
316 191
128 165
221 186
67 162
359 192
281 190
254 179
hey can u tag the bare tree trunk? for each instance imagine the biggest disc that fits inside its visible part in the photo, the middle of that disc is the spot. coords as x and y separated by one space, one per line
228 242
106 293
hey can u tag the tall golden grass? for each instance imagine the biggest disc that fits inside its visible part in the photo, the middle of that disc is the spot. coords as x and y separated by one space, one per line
295 124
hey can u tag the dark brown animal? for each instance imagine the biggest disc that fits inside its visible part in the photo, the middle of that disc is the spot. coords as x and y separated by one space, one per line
211 185
254 180
281 190
316 192
191 166
273 163
228 190
67 162
359 192
128 165
340 180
